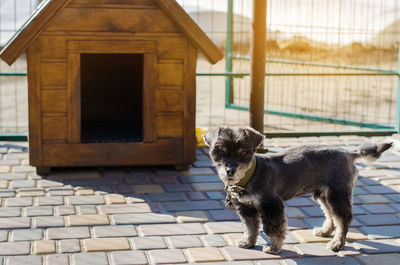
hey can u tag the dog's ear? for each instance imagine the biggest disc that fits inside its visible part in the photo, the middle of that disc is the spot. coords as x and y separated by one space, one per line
211 136
254 137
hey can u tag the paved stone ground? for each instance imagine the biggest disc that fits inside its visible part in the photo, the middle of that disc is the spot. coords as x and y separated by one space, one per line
137 216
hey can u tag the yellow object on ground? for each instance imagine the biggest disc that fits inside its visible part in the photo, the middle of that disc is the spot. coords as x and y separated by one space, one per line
199 137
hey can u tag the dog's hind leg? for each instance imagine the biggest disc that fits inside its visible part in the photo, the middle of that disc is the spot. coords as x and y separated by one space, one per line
274 223
251 221
327 227
340 203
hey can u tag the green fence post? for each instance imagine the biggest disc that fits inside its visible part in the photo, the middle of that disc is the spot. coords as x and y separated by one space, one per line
228 55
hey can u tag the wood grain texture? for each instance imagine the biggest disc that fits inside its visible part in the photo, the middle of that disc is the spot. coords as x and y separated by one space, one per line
169 125
162 152
54 128
170 75
54 101
113 3
170 100
190 105
198 38
35 126
112 20
111 46
74 99
23 38
53 48
149 107
53 75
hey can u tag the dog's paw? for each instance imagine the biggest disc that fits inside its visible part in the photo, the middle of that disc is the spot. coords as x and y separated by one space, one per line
271 249
321 232
335 245
242 243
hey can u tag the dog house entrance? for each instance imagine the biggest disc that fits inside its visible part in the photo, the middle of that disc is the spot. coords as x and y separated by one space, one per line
111 98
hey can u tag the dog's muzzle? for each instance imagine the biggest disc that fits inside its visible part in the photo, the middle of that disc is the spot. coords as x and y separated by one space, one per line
230 171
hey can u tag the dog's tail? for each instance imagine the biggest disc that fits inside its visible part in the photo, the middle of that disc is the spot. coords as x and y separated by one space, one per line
372 151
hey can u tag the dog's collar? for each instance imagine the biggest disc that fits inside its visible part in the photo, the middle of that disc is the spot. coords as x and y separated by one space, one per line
248 173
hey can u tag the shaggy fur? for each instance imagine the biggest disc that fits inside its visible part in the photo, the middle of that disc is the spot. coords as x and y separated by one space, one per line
327 172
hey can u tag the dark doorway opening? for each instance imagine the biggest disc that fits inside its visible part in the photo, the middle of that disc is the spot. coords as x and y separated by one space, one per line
111 98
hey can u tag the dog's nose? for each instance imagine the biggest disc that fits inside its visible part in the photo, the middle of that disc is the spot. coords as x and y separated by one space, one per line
230 171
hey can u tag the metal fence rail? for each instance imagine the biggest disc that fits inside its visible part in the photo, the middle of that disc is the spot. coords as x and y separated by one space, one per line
332 66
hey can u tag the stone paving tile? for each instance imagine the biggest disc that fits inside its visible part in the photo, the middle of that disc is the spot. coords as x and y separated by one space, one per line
147 243
377 246
209 186
379 259
38 211
82 200
193 171
90 259
148 188
105 244
372 199
44 247
3 236
322 260
299 202
315 249
142 218
378 219
48 221
171 229
380 232
12 202
378 208
61 191
50 201
3 184
234 253
114 231
265 262
166 197
15 222
314 211
128 258
191 206
114 199
89 219
15 248
30 192
86 209
48 183
199 179
196 196
57 259
122 188
167 256
216 195
22 260
292 212
224 215
393 197
26 234
380 189
294 224
191 217
184 241
176 187
209 254
318 221
69 246
10 212
16 184
84 191
7 193
129 208
224 227
68 232
163 179
231 239
213 240
65 210
13 176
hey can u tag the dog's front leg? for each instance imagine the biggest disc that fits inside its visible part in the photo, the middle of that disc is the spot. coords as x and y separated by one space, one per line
274 223
251 220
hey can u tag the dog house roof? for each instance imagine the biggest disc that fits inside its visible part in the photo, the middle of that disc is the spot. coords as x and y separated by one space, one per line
50 8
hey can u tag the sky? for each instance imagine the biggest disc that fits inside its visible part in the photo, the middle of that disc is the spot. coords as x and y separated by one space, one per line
321 20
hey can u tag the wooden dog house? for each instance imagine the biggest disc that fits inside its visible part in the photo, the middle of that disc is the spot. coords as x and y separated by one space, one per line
111 82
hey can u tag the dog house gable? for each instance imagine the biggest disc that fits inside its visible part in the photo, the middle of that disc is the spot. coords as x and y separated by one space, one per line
116 63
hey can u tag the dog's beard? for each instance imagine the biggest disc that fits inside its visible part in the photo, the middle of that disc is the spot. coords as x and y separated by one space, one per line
235 179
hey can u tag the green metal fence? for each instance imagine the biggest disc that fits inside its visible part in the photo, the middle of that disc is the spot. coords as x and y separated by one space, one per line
332 67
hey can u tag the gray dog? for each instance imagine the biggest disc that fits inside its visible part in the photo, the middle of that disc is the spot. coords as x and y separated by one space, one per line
257 185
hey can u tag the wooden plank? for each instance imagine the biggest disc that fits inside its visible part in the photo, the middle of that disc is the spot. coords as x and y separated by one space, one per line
170 75
54 128
54 101
112 20
198 38
149 106
35 127
74 98
24 37
171 48
170 126
113 3
190 105
169 100
111 46
163 152
53 75
53 48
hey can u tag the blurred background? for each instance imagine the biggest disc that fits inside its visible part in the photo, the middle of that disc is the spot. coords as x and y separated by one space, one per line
332 66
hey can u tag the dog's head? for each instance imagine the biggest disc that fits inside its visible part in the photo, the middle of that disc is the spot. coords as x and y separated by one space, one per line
232 150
